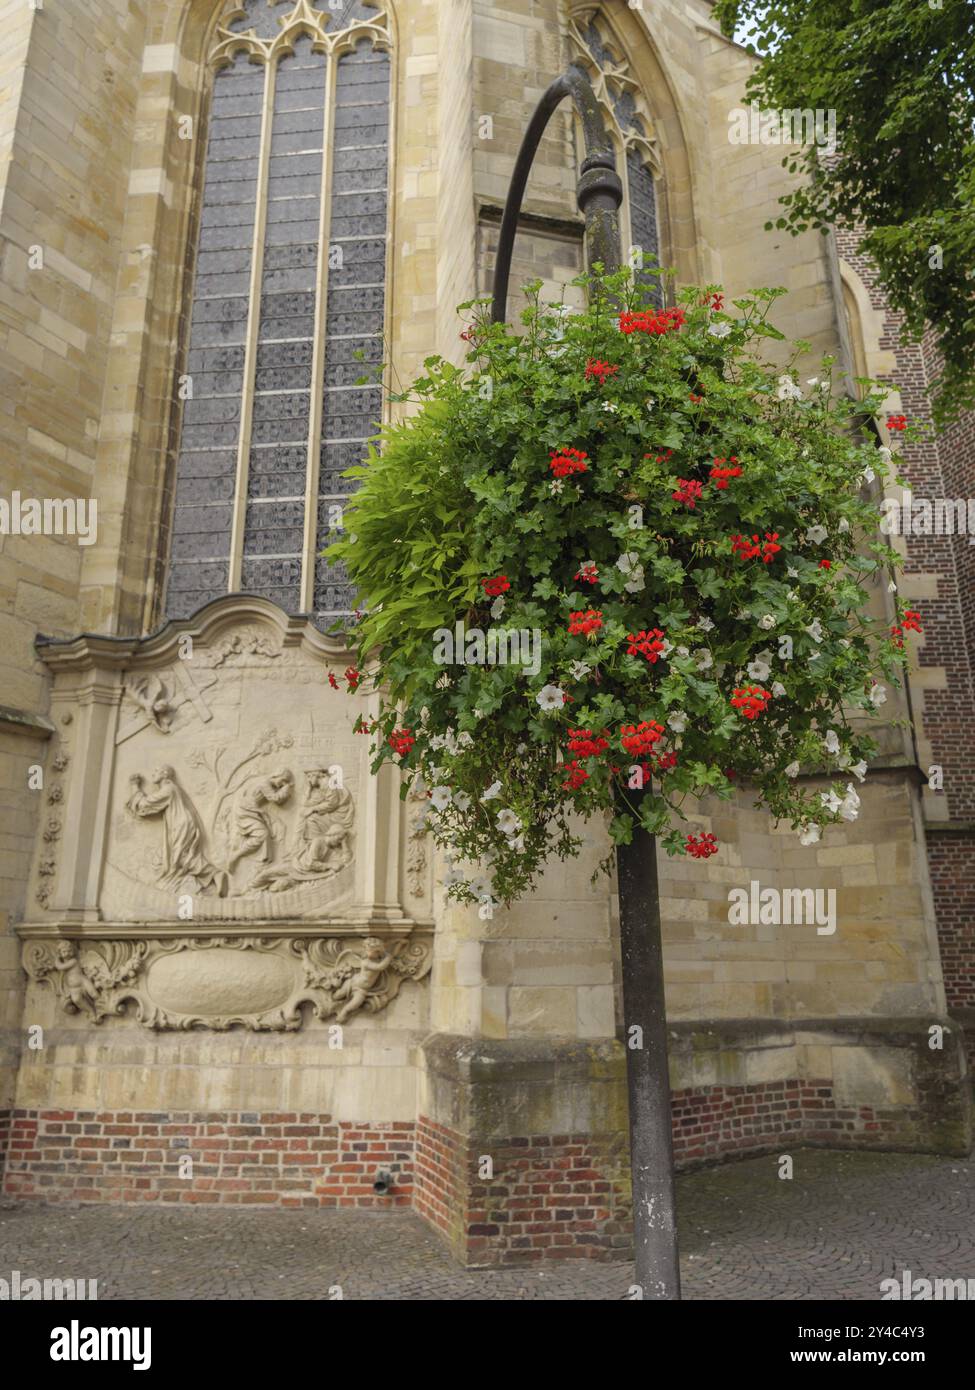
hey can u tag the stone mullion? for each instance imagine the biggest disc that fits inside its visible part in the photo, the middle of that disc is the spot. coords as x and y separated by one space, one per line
316 402
239 514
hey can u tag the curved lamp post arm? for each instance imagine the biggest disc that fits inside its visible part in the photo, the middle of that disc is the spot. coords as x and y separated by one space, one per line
599 189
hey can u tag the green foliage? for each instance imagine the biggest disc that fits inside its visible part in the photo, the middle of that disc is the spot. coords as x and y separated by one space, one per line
463 517
900 75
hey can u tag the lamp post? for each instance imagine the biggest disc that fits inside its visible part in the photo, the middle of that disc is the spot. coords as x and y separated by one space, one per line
600 193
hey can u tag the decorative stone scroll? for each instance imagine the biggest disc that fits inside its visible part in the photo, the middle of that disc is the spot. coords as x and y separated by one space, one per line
227 982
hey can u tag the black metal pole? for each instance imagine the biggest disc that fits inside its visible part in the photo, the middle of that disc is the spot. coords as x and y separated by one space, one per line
647 1072
599 191
600 194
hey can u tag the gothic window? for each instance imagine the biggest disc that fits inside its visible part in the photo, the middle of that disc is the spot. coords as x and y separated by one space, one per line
631 130
288 302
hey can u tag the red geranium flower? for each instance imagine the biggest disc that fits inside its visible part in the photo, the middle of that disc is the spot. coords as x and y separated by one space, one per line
401 741
688 492
586 744
703 847
825 564
897 422
577 777
653 322
639 739
332 681
599 371
353 676
649 644
585 623
751 700
567 461
588 573
720 474
496 586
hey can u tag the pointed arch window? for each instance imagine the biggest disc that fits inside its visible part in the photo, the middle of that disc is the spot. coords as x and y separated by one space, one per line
288 301
631 129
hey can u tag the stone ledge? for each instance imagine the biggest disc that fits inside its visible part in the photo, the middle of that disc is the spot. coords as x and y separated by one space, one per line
24 723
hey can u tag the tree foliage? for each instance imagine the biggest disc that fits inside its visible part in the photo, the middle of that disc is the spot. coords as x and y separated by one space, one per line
900 75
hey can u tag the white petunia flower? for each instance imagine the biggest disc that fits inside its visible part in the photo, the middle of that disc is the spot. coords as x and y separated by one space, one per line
878 696
817 534
792 770
463 802
867 476
886 455
850 805
441 797
810 835
767 622
831 801
778 690
550 697
677 721
465 740
666 647
792 572
705 624
703 658
844 524
719 330
611 406
508 822
788 390
815 630
629 564
683 651
859 769
493 790
497 607
517 844
556 485
579 670
650 403
832 741
758 670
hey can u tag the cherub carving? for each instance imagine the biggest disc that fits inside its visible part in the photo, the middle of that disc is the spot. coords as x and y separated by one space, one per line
153 697
360 976
78 991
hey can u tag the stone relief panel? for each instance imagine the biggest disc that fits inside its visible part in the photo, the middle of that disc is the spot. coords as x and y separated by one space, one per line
218 779
238 802
219 853
262 984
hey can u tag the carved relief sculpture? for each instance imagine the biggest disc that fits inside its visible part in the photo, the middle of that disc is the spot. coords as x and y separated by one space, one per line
199 982
321 845
184 864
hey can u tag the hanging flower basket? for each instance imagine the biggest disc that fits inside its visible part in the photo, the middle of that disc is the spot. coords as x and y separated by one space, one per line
621 552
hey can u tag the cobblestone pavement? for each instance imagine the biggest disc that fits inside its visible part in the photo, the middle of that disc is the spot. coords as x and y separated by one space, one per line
843 1223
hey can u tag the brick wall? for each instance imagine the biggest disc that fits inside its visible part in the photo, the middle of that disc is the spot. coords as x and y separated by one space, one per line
239 1159
548 1196
941 570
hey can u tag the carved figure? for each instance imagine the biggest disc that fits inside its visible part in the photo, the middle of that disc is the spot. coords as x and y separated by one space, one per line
320 847
184 861
361 976
252 832
77 989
